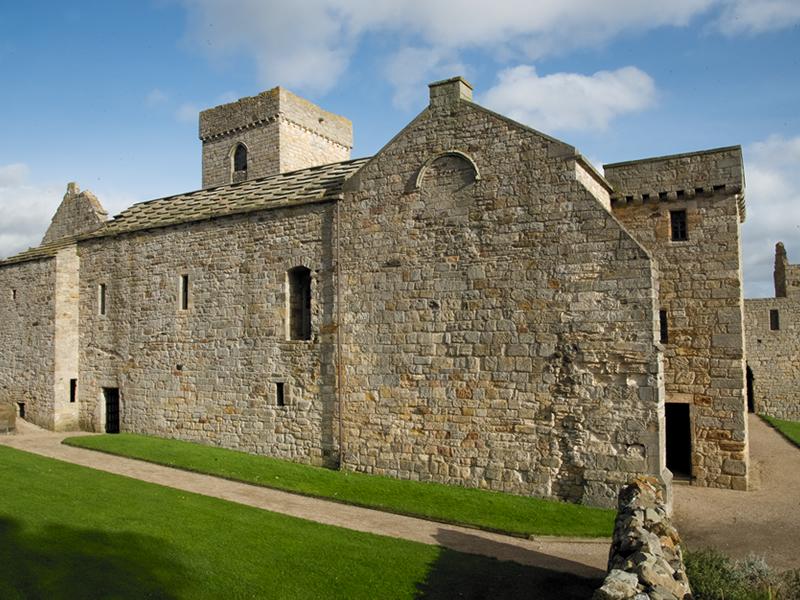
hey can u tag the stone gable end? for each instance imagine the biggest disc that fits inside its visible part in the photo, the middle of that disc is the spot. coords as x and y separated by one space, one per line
498 322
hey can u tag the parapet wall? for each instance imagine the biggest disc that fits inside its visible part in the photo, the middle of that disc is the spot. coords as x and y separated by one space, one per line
646 559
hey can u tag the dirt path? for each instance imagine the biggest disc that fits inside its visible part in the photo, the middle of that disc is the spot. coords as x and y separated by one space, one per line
764 521
586 558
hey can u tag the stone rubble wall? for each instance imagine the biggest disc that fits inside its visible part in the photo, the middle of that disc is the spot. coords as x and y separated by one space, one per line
27 338
700 289
774 356
209 374
8 417
497 332
646 559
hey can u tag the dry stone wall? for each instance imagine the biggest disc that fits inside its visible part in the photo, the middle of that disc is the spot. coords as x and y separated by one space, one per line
209 374
8 417
27 312
646 559
701 292
497 322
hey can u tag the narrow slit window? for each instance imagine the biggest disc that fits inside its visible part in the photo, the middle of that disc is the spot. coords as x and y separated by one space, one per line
664 325
299 303
774 319
678 225
184 292
14 295
73 390
101 299
280 391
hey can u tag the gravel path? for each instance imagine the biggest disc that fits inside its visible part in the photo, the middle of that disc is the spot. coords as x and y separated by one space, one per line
764 521
585 558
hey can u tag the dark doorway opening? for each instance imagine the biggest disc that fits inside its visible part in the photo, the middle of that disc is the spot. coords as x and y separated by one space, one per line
751 398
111 396
21 406
679 440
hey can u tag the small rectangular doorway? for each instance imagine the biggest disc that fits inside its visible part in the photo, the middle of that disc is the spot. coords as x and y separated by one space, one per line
21 407
679 440
111 397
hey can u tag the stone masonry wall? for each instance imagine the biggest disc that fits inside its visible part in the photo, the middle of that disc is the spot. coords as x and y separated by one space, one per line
646 559
282 133
27 312
79 212
700 289
209 374
498 330
773 355
66 338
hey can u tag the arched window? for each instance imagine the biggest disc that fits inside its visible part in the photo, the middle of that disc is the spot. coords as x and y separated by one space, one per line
298 306
240 158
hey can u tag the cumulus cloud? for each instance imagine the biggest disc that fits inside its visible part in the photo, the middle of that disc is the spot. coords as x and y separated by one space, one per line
410 69
570 100
749 17
308 45
772 169
25 209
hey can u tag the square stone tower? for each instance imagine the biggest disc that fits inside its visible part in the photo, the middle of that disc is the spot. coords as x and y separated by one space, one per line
273 132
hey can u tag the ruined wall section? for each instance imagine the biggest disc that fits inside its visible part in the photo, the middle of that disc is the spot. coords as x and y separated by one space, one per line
78 213
209 374
701 292
27 321
774 356
282 133
498 322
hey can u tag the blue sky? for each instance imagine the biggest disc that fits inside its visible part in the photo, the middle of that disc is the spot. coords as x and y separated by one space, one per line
107 93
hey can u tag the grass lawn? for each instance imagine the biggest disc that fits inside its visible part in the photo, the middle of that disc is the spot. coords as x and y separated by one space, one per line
478 508
68 532
789 429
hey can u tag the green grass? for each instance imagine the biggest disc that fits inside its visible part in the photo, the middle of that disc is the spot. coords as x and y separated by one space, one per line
789 429
477 508
68 532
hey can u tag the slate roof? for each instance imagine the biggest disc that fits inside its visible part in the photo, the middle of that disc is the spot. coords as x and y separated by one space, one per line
285 189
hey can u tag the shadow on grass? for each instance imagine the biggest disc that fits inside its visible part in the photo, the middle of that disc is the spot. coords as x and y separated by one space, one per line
60 562
459 574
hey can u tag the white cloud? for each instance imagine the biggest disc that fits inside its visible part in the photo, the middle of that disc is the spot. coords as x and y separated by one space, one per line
410 69
187 113
754 17
13 175
25 209
155 97
570 100
772 170
307 45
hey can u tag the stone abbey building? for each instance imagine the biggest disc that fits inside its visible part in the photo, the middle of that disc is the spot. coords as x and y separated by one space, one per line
475 304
